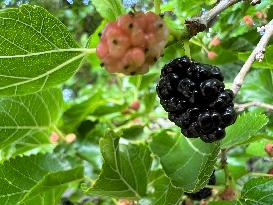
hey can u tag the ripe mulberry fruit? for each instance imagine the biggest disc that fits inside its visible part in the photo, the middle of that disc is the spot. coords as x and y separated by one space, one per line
66 201
196 100
132 43
205 192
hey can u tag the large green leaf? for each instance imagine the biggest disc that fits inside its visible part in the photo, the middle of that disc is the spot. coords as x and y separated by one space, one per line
51 197
257 191
161 191
246 125
29 116
36 51
36 143
125 169
188 163
109 9
23 178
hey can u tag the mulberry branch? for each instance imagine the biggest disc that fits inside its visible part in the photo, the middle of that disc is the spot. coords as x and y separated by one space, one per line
203 22
257 54
242 107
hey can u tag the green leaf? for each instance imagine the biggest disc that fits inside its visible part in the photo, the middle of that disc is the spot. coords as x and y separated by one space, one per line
172 51
37 51
125 169
267 62
257 148
29 116
145 81
186 6
188 163
92 43
130 131
27 177
51 197
257 191
78 112
237 167
31 144
245 126
90 153
95 38
258 87
109 9
161 191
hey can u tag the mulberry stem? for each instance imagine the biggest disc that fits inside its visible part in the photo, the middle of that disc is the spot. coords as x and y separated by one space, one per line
242 107
157 6
224 166
138 84
187 48
257 54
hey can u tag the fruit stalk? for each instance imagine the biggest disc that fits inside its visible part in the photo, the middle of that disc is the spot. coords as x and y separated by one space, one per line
224 166
157 6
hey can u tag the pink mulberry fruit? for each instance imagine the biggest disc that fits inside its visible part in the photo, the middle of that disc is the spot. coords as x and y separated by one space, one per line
132 43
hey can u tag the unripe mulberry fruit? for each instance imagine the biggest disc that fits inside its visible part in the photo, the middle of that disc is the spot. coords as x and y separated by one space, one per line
70 138
215 41
269 149
248 20
212 55
205 192
261 15
66 201
135 105
196 100
132 43
54 138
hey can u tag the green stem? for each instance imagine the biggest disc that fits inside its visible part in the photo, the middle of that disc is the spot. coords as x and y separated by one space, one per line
224 166
138 83
90 50
187 48
200 44
119 82
115 201
157 6
228 178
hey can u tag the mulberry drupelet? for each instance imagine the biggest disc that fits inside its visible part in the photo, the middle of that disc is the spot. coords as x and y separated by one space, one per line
196 100
205 192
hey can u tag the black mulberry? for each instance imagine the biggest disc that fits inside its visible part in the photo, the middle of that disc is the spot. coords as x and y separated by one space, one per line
205 192
196 100
66 201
